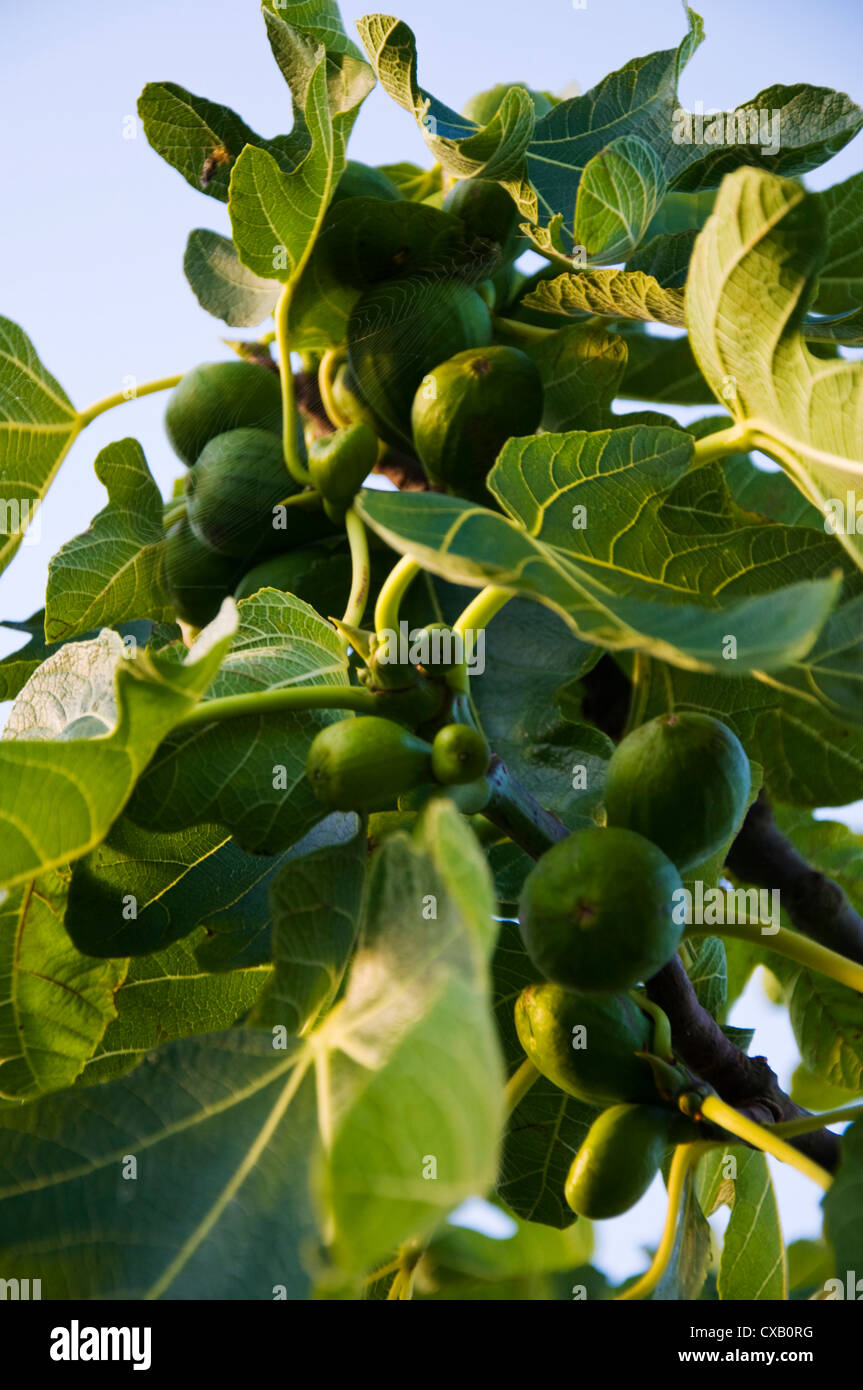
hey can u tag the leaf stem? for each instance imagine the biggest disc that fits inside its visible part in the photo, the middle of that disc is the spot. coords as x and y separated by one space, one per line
789 1129
293 699
684 1160
173 511
478 614
165 383
761 1137
737 439
519 1084
308 498
289 404
329 365
360 569
393 590
511 330
796 947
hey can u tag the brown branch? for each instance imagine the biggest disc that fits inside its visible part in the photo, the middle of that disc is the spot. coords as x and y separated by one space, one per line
763 856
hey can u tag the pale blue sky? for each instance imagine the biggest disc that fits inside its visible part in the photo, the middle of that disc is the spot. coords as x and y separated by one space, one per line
94 225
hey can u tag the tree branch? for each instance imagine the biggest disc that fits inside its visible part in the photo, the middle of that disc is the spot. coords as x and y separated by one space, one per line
762 855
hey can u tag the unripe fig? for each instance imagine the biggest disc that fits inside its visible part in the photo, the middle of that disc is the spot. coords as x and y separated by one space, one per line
681 780
484 105
467 410
340 463
620 1157
596 910
586 1043
364 764
232 489
459 754
398 332
364 181
198 578
310 573
487 211
217 397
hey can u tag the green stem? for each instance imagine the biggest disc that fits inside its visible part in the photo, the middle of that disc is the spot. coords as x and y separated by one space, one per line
638 697
685 1158
512 331
478 614
393 590
519 1084
789 1129
298 697
796 947
289 404
309 498
330 363
165 383
763 1138
360 569
661 1045
735 440
173 511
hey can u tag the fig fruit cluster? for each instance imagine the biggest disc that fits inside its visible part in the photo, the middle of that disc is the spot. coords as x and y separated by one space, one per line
224 420
597 918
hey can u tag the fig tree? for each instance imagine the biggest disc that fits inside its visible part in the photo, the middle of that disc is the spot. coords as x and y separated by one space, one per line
365 764
620 1156
220 396
683 781
398 332
596 910
586 1043
467 410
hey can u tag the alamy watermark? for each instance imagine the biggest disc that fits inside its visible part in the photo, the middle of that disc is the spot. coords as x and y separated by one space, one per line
746 126
432 647
714 907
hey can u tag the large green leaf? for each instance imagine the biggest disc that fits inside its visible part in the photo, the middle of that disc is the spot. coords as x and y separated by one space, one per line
38 425
316 900
840 276
624 579
786 130
202 139
167 996
581 367
276 216
612 294
843 1205
810 757
139 891
495 151
222 1127
248 773
80 734
298 33
529 655
114 572
752 275
55 1003
221 283
17 668
413 1075
753 1266
684 1276
619 193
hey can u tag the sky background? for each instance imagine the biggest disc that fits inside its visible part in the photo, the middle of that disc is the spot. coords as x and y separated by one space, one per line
95 225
